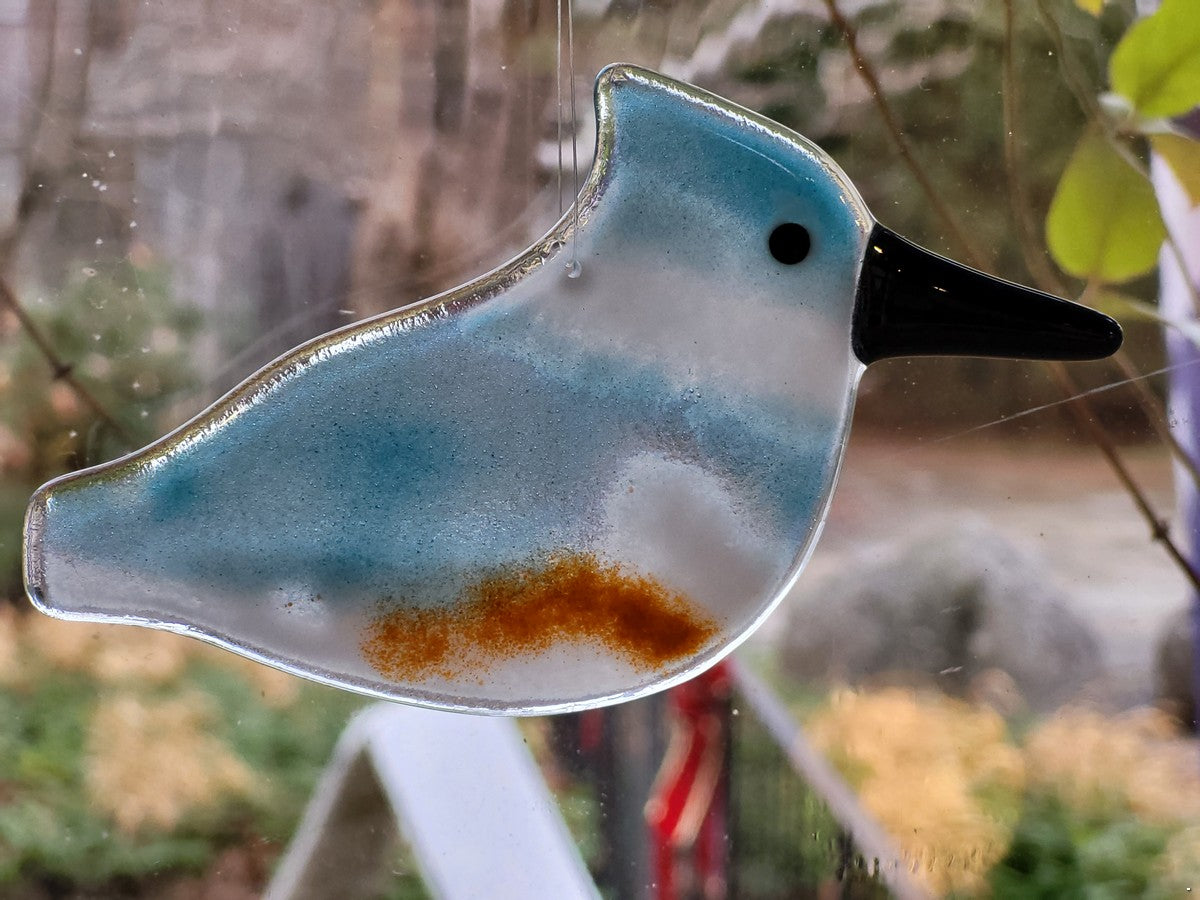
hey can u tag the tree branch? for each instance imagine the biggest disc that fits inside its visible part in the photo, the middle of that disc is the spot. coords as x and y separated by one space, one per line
1084 415
63 371
1027 232
977 257
1078 86
1081 407
1035 260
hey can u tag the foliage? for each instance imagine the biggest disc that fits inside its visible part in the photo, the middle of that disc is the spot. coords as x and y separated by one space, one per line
70 811
1131 764
1082 162
936 772
1104 225
940 75
128 753
785 838
1056 854
1083 805
1156 67
996 178
128 342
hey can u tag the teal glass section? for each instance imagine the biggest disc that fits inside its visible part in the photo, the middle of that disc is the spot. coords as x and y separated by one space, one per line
675 415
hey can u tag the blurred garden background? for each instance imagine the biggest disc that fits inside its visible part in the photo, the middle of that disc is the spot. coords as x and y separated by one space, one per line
991 647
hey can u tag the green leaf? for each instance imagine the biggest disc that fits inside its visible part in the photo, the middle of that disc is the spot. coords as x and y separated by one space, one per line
1104 224
1157 64
1182 154
1090 6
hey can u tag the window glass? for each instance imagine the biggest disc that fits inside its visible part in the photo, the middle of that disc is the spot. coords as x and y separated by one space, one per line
990 647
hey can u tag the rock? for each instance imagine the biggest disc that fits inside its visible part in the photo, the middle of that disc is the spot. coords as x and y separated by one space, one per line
957 607
1174 679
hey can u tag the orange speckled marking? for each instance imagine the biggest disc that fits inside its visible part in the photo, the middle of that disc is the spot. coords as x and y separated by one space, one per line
523 610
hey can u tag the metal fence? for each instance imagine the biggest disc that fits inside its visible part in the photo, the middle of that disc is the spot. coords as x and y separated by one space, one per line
772 821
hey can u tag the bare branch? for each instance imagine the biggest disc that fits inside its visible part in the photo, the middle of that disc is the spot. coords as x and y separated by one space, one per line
976 256
1081 408
29 153
63 370
1077 84
1155 413
1035 260
1027 232
25 152
1084 414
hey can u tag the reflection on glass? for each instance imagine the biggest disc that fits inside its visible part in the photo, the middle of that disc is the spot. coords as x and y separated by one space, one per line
260 172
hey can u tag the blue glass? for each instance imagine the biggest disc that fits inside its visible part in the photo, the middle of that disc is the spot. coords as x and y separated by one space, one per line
446 504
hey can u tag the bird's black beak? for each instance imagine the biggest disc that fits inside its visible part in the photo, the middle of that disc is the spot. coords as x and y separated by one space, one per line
911 302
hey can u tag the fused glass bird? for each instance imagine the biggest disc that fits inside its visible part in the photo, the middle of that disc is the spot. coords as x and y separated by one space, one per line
539 492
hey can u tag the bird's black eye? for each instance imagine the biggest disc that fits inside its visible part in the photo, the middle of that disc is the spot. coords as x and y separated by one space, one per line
789 243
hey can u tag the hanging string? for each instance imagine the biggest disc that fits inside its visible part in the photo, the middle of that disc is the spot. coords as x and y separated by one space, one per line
558 80
573 267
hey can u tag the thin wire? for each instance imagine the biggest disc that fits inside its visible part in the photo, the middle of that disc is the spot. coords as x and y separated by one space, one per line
574 264
1076 396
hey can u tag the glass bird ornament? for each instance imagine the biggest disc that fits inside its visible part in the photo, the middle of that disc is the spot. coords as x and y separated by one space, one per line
535 492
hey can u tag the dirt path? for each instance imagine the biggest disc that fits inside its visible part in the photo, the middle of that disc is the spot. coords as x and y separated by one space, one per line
1057 501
